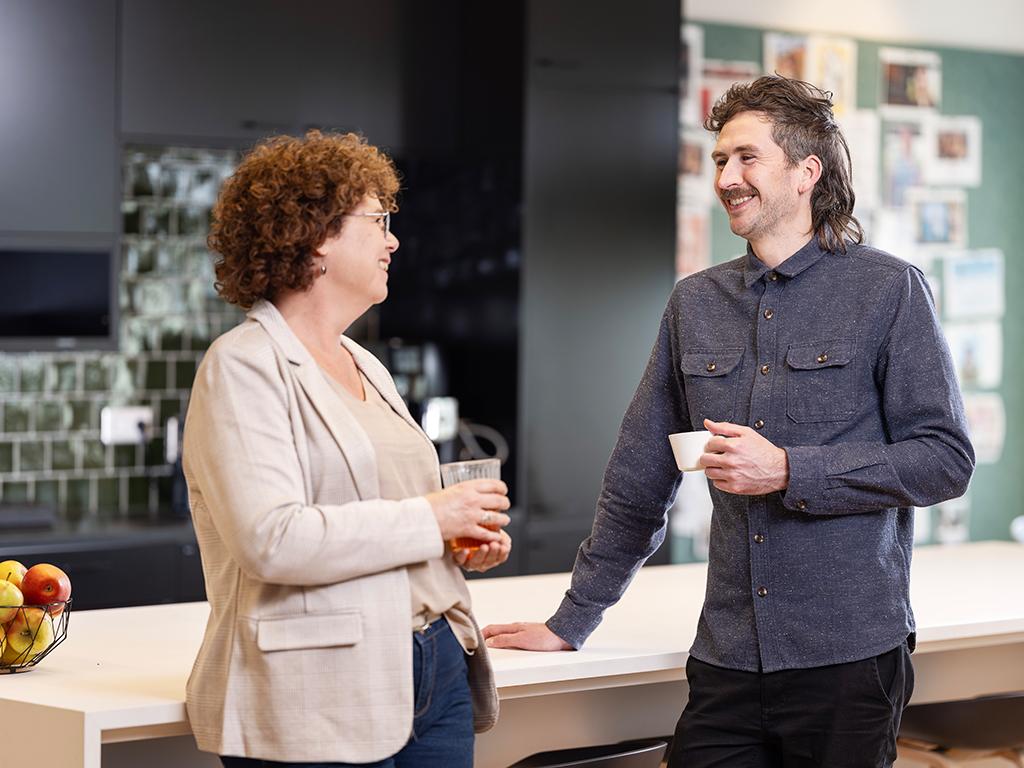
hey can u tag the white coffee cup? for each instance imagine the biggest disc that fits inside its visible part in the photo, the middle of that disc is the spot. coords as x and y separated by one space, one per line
687 447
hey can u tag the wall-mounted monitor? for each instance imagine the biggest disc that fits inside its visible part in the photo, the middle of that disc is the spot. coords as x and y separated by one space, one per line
60 298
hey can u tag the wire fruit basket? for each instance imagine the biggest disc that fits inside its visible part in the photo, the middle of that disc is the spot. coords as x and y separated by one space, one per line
30 633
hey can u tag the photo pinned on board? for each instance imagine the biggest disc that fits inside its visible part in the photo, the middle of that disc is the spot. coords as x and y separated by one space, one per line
911 78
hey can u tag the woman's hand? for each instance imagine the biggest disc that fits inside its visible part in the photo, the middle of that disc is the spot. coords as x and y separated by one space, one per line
464 509
486 556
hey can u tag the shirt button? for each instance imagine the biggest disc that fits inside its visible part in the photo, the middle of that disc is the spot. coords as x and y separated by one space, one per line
758 538
765 369
769 314
773 276
711 366
801 505
759 423
823 357
762 591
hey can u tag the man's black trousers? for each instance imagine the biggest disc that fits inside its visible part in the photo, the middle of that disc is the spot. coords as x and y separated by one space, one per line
839 716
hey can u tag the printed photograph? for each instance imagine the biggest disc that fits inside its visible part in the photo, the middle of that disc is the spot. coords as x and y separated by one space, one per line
955 143
785 54
939 215
911 78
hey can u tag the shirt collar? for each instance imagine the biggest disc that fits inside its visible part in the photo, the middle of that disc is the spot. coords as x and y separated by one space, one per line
754 268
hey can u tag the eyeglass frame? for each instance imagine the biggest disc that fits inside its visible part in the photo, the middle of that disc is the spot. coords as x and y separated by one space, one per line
386 215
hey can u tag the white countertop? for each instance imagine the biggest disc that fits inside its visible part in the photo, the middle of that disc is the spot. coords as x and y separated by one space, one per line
963 596
124 669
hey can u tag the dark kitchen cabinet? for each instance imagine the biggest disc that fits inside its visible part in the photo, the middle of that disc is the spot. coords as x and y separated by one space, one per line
551 544
236 70
600 161
575 44
58 124
119 566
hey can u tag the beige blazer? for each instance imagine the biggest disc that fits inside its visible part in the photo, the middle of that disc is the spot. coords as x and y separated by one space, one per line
307 655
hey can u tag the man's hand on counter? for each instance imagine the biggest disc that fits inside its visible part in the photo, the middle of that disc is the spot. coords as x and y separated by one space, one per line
526 636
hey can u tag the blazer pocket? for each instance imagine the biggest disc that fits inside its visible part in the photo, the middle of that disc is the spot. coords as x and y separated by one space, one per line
711 379
822 381
292 633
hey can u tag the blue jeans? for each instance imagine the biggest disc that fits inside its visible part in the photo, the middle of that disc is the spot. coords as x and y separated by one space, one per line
442 728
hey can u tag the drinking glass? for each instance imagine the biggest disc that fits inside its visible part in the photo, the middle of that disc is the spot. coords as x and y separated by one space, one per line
459 471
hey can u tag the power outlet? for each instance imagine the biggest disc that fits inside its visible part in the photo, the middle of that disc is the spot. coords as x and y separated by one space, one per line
125 424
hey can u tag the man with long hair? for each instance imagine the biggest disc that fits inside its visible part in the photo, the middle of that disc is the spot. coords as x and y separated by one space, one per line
818 365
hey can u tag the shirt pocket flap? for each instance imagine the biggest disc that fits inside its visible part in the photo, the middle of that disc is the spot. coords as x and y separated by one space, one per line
820 354
290 633
710 363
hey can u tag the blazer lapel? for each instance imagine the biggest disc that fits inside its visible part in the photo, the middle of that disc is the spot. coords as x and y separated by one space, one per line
351 438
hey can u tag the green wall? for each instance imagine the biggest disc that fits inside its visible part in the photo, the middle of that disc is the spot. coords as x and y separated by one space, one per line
990 86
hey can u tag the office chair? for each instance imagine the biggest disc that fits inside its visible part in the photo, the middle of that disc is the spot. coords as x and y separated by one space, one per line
628 754
951 733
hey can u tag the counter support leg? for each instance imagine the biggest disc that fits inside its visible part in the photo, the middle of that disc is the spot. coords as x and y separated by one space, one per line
50 736
580 719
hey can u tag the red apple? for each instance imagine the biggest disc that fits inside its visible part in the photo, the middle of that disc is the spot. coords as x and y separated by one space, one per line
29 633
45 583
11 599
13 571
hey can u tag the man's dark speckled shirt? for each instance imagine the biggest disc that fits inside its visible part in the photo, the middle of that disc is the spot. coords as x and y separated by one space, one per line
837 358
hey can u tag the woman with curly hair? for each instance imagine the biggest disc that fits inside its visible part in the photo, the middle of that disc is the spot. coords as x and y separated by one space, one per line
340 628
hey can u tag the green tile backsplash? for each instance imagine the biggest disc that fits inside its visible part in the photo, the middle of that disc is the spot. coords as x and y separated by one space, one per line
8 375
53 416
63 455
16 415
32 374
50 403
67 375
30 457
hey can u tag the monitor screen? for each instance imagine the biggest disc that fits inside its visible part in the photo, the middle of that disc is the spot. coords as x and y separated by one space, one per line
56 299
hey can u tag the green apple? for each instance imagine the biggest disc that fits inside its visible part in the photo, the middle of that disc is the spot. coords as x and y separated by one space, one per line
13 571
10 656
11 600
29 633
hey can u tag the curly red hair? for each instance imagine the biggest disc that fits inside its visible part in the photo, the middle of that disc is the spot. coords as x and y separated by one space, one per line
283 201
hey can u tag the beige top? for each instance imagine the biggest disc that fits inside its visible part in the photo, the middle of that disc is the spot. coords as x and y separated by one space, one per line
408 470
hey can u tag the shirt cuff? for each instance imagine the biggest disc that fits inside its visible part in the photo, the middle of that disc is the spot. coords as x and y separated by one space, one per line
569 625
806 478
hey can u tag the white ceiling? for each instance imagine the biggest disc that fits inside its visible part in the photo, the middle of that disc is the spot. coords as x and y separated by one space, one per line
996 25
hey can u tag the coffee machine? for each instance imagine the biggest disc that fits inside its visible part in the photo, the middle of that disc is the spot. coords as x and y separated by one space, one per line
421 380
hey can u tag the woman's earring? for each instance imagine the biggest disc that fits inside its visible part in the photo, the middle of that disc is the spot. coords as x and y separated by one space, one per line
323 269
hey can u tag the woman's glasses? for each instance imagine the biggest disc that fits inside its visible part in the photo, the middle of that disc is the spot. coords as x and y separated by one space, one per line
383 218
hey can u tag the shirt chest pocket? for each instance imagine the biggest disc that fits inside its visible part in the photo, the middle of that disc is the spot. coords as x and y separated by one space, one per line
711 379
822 382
